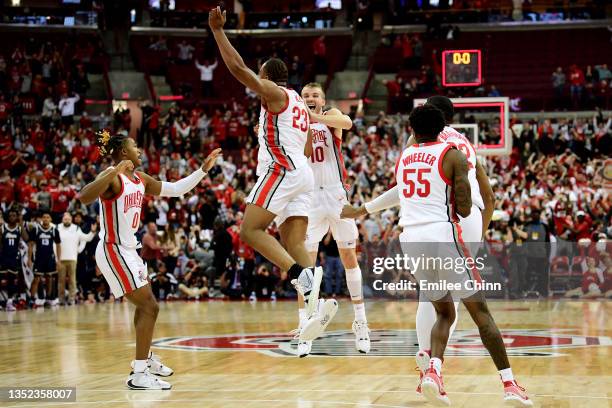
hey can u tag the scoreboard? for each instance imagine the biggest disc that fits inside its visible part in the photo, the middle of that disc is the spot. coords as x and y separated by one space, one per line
461 68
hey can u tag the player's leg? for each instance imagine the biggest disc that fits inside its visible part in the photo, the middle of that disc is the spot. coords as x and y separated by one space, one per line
491 337
51 286
125 274
354 283
293 235
61 278
425 320
34 287
432 385
253 232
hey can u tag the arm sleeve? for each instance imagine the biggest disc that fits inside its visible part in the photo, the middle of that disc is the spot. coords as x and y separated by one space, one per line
182 186
388 199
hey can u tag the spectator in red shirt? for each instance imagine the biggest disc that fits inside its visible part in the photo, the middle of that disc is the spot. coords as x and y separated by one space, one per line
577 81
582 227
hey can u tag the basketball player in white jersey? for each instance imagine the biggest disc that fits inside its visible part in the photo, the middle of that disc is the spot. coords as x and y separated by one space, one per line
434 190
120 190
473 226
284 188
327 164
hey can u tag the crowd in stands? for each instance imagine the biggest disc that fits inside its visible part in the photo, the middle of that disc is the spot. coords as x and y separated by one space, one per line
49 78
586 88
192 245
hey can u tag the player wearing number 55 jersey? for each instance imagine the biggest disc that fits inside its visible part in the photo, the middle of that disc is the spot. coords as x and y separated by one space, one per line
284 187
120 190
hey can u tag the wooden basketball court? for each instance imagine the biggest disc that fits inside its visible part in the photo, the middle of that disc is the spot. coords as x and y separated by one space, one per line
233 354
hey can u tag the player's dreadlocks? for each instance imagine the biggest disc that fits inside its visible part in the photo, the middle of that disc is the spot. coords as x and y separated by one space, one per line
276 71
107 144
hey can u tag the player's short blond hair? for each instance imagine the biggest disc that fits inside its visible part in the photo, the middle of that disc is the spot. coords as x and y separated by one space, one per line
315 85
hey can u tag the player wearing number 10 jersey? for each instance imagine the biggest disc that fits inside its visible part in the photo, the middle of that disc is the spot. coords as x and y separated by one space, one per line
120 190
330 196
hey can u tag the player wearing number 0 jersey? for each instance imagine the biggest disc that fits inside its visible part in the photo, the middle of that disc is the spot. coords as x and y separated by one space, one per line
120 190
284 187
330 196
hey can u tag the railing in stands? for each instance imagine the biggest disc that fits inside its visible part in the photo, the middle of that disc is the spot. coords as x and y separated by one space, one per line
152 92
368 82
109 90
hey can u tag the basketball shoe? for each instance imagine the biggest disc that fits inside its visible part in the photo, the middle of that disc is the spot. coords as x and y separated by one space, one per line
515 395
146 381
362 336
308 284
157 367
433 389
422 361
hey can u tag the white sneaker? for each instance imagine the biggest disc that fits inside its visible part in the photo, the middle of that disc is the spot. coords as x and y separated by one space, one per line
39 302
54 302
316 324
308 285
362 336
157 367
253 297
10 307
146 381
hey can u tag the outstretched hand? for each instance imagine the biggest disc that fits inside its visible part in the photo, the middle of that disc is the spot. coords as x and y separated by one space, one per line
211 159
348 211
216 18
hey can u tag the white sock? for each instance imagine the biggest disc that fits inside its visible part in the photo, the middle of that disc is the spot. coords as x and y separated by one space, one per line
140 366
506 374
360 315
436 364
302 314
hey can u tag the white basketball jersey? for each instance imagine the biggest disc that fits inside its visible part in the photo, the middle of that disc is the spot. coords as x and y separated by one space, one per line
282 136
424 192
120 216
327 162
462 143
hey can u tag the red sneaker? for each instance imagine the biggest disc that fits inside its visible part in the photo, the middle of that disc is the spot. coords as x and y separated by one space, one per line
433 389
515 395
422 361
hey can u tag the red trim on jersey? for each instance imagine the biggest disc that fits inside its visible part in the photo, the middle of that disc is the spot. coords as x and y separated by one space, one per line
466 252
263 194
116 196
440 169
108 220
137 181
119 268
340 157
284 108
279 157
426 144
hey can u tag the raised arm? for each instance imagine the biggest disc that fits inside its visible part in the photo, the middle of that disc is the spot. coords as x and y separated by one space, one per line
234 62
333 118
106 184
178 188
455 167
487 195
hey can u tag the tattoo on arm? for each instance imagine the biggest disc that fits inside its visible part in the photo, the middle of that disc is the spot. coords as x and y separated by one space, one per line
461 184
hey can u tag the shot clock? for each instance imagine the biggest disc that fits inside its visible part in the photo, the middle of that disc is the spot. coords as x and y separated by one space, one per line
461 68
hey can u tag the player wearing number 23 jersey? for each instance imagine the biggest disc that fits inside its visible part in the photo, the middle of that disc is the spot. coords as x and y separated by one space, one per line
285 181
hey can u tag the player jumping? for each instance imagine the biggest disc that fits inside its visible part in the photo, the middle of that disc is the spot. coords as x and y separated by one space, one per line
330 196
284 188
120 190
